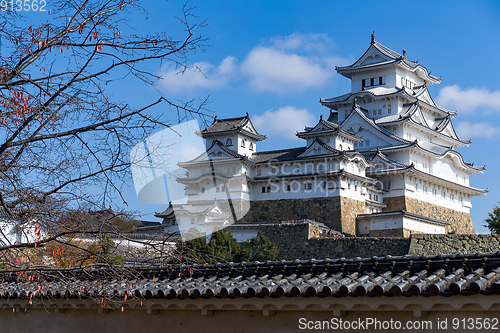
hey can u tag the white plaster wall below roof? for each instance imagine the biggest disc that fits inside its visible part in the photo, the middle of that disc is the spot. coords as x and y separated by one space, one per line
424 191
395 222
246 151
423 227
242 235
402 73
431 119
373 140
444 168
279 190
388 74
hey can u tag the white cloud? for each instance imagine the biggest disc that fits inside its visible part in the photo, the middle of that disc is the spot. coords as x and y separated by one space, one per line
284 122
282 65
467 130
199 75
469 99
273 70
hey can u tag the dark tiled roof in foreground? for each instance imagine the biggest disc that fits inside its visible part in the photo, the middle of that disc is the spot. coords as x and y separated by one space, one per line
423 276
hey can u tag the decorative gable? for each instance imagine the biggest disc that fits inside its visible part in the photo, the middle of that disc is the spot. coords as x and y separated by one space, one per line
372 56
317 148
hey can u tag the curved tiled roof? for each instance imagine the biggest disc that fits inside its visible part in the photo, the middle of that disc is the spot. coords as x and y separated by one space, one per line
393 58
230 125
411 276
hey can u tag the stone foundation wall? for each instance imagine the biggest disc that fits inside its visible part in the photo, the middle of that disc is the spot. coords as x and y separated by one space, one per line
350 209
302 242
451 244
338 213
459 222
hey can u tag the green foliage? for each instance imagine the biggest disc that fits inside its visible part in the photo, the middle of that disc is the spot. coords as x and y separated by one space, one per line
258 248
223 247
107 255
493 220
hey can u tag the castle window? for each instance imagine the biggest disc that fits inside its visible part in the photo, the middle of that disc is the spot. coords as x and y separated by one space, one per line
263 189
374 112
308 186
193 221
363 83
372 81
259 172
268 189
229 142
370 196
389 110
243 143
348 186
367 143
356 188
251 146
327 139
288 187
379 112
320 168
380 80
203 190
217 189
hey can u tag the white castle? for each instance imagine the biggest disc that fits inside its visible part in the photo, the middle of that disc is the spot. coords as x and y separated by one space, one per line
383 163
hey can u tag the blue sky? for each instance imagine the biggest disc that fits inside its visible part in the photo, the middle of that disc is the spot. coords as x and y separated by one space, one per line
275 59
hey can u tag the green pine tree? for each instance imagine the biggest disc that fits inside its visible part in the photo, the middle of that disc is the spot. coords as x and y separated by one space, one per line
493 220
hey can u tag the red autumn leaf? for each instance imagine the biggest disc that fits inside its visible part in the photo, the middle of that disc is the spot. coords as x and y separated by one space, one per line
30 28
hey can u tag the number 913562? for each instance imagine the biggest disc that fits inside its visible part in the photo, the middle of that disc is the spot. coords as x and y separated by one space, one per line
23 5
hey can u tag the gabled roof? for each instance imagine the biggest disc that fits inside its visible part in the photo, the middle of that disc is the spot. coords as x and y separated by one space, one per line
205 156
231 125
378 156
328 150
168 213
438 151
202 208
325 127
412 113
402 213
298 154
379 56
419 94
281 155
356 111
434 179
